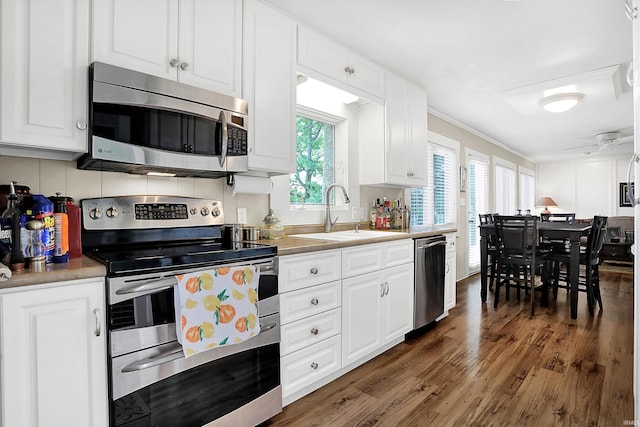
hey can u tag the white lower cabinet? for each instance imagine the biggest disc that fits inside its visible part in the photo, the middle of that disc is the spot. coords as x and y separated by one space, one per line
311 364
53 366
450 273
377 309
340 308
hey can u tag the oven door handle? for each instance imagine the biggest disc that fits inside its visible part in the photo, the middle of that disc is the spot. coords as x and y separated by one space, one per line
167 354
149 285
171 352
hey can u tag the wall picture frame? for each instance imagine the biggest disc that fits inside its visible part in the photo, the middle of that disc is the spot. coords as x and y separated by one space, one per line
624 199
463 178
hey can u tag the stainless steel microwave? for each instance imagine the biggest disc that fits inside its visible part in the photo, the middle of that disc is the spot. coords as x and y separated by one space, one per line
144 124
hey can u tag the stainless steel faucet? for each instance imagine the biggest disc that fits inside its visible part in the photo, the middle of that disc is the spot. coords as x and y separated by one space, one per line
327 216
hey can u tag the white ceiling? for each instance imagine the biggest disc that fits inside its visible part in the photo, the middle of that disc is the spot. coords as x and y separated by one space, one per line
471 55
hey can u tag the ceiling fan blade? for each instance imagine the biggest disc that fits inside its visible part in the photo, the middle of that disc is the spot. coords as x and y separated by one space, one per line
582 147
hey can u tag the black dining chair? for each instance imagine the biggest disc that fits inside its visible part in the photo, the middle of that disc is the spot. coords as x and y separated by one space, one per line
492 250
520 257
568 218
590 258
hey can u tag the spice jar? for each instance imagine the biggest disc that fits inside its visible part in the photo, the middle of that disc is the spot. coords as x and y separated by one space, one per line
272 228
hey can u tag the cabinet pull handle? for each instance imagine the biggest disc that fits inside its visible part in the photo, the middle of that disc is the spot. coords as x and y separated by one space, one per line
386 287
174 62
81 124
314 301
346 69
314 365
381 290
314 271
184 66
96 313
314 331
446 269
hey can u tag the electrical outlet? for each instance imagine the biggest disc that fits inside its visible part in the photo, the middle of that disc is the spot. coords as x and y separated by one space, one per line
242 215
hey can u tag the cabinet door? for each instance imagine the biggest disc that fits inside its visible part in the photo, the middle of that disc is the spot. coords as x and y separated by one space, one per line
322 55
416 154
54 356
396 137
397 302
210 44
450 281
366 75
269 87
361 316
45 55
141 35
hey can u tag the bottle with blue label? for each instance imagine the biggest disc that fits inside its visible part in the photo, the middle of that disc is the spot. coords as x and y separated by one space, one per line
39 208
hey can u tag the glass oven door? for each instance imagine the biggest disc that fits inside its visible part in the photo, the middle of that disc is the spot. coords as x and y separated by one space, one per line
201 394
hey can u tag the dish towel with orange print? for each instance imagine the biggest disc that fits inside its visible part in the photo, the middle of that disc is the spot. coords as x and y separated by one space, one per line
216 307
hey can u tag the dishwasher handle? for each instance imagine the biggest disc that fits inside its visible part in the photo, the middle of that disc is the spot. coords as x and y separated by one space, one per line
430 244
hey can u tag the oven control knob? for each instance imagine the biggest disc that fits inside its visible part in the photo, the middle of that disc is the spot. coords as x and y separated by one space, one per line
112 212
204 211
193 211
95 213
215 211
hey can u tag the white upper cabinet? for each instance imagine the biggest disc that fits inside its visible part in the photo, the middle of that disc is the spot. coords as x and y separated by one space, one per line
44 69
198 42
393 140
269 87
327 57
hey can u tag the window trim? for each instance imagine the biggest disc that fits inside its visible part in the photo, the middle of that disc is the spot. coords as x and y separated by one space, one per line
341 156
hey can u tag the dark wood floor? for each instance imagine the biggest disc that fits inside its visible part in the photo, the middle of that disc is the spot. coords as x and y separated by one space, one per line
486 367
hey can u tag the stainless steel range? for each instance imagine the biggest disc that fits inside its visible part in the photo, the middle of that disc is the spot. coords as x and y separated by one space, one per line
144 241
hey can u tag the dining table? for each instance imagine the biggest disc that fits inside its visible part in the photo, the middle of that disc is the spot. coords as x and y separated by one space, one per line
552 231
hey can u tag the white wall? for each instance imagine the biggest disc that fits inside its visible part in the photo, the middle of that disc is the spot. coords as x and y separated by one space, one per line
48 177
587 186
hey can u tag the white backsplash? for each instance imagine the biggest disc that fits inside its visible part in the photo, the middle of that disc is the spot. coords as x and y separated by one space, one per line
48 177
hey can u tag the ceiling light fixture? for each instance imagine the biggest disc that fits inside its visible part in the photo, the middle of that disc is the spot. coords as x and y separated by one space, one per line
561 102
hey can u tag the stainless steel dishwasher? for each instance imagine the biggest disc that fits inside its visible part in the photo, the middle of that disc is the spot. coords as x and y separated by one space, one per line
430 253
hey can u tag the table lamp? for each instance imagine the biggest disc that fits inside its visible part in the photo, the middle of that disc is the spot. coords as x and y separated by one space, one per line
546 202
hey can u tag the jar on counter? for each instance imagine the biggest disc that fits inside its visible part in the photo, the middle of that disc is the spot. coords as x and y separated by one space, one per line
272 228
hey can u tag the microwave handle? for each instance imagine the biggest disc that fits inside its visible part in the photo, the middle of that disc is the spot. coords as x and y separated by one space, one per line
224 136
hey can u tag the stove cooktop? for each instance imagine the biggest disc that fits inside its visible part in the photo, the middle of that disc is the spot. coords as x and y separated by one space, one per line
132 260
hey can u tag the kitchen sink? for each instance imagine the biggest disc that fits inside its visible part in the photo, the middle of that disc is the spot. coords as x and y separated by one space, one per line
349 235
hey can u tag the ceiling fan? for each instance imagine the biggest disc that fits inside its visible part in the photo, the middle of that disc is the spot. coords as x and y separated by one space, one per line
604 141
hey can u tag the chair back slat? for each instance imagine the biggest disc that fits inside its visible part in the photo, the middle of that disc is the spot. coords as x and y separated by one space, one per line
568 218
596 239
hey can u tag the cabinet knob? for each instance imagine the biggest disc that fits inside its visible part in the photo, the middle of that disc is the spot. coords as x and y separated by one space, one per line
184 66
314 301
313 271
174 62
81 124
314 365
314 331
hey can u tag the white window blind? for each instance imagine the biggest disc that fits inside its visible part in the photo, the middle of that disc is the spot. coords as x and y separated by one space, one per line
436 203
527 191
477 187
505 194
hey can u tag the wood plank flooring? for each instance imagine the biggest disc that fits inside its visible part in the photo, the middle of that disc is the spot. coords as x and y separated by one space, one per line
486 367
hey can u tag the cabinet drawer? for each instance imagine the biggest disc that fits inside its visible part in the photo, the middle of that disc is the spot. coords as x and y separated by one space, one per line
310 364
398 252
302 271
361 259
307 302
302 333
